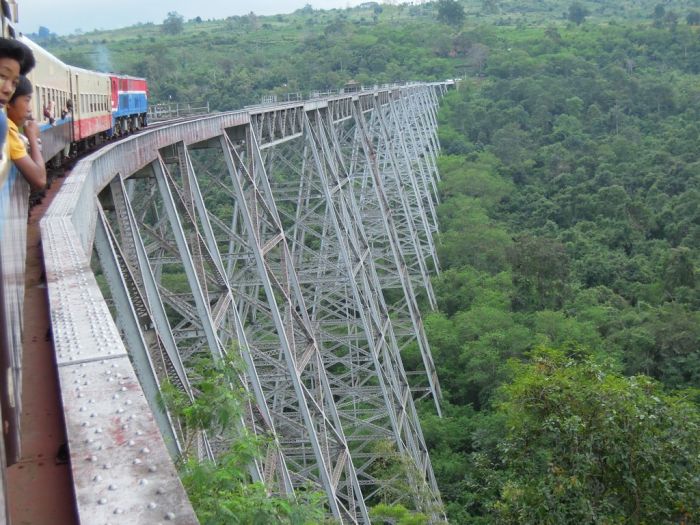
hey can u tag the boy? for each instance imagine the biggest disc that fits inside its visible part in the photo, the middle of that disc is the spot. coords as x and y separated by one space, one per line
26 155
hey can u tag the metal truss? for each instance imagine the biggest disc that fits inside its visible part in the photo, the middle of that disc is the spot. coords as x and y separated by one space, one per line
301 238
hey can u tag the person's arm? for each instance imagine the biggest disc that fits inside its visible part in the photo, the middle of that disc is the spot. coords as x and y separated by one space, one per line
32 165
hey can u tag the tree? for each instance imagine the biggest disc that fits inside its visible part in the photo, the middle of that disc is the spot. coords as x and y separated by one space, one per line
222 491
450 12
586 445
173 23
478 54
490 6
679 270
577 13
540 273
693 18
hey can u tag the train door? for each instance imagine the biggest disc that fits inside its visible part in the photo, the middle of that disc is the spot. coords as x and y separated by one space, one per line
77 106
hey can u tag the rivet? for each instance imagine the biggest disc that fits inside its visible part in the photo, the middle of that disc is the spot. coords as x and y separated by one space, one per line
92 458
118 511
98 431
143 482
131 442
102 501
107 466
152 468
137 461
152 505
160 491
112 487
97 478
145 450
170 516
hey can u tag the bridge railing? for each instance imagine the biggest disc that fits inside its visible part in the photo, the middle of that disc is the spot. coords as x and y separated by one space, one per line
174 110
14 193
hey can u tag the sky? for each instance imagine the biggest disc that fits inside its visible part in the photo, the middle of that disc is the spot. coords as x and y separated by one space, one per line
64 17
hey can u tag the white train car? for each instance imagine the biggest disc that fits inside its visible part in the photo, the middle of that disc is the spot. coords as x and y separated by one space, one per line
52 97
92 111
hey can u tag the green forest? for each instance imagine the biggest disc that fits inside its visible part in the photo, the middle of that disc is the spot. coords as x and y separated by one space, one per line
567 339
569 300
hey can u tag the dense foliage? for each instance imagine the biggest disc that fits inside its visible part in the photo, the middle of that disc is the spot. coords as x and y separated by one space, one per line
222 492
571 219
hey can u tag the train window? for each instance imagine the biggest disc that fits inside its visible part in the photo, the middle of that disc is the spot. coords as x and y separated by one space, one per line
37 101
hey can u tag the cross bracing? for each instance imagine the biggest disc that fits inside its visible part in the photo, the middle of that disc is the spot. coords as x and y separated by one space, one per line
300 237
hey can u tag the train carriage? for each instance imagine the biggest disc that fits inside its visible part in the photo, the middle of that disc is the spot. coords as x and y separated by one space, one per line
52 93
92 115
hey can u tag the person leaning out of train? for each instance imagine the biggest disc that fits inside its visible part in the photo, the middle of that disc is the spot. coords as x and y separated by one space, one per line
15 59
25 147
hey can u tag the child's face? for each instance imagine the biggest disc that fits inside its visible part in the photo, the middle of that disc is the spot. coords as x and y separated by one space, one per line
20 109
9 76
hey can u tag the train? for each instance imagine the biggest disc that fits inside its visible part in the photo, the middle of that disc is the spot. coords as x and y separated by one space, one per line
77 109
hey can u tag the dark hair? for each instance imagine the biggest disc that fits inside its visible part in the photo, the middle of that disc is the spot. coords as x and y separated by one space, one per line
24 87
16 50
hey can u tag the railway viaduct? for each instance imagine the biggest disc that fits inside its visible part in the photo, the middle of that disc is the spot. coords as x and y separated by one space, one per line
297 236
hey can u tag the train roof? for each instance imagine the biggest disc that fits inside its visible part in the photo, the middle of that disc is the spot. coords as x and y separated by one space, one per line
129 77
36 48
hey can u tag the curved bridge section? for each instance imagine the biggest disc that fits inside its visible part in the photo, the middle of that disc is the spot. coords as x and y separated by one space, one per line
298 236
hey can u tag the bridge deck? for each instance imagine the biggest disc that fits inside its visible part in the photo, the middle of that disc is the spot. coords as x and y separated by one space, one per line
40 489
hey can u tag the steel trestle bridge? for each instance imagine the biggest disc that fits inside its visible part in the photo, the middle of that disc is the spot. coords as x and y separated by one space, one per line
299 236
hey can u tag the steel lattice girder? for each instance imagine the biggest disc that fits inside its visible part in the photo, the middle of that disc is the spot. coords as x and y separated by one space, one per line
297 275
